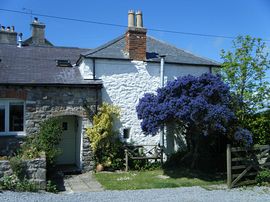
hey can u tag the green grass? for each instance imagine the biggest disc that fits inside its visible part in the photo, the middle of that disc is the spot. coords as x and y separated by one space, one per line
155 179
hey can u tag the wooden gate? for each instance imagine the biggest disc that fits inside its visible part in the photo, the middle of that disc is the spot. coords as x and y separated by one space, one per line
243 164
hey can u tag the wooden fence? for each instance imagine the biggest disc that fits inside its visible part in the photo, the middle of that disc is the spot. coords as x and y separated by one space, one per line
143 152
243 164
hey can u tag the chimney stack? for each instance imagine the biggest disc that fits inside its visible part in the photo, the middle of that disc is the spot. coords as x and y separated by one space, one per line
8 35
38 32
136 37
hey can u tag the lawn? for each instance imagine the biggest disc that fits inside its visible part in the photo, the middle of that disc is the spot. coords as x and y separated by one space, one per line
155 179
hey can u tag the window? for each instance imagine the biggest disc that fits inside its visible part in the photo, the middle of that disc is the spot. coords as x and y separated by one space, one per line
11 117
64 126
126 133
63 63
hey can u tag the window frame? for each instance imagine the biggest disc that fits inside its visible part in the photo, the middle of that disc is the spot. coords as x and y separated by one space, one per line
6 104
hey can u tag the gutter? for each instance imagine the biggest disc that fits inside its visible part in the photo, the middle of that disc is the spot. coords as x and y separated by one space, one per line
90 85
151 61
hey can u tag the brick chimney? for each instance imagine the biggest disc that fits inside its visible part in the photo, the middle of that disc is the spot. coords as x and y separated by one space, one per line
38 32
8 35
136 37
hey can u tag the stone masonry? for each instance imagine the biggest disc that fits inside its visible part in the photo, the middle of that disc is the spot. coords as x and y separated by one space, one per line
45 102
35 171
136 43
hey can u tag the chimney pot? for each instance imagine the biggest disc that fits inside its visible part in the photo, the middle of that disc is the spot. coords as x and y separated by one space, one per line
131 18
35 20
8 36
20 40
139 21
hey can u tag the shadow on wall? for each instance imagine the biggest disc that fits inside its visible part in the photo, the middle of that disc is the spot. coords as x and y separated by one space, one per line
106 98
108 68
175 140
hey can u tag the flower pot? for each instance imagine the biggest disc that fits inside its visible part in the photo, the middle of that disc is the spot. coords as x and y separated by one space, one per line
99 168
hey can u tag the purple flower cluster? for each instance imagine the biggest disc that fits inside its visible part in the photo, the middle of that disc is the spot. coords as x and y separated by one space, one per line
244 136
202 102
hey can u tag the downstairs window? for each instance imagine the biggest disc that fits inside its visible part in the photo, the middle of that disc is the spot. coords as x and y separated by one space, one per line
11 117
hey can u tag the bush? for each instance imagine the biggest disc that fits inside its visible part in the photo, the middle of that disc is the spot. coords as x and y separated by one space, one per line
46 140
263 177
51 187
259 124
107 147
18 167
13 183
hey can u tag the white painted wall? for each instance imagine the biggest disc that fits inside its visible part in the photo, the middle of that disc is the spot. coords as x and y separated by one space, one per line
126 82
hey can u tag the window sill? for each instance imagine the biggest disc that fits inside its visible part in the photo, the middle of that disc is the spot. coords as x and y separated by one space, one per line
19 134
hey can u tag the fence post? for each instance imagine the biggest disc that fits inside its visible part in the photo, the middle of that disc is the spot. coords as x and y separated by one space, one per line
126 158
229 166
161 155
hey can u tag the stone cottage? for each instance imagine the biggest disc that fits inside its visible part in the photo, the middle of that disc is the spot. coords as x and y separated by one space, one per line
130 66
39 80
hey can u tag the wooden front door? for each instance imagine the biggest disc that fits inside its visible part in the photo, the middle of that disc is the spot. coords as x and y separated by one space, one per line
67 144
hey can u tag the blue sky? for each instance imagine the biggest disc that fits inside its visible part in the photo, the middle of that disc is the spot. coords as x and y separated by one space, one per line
227 17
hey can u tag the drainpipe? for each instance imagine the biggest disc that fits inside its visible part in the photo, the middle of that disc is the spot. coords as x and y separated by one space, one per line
210 70
97 101
94 68
162 60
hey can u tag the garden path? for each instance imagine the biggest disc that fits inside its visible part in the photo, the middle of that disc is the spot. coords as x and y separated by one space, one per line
81 183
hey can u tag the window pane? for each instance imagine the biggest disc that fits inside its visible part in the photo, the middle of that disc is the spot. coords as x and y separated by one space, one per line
16 116
2 118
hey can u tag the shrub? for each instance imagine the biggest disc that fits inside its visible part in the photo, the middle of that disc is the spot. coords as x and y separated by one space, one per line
18 167
103 140
46 140
259 124
13 183
51 187
9 182
263 177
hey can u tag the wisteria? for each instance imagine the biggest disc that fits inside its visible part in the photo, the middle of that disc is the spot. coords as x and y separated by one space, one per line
244 136
202 102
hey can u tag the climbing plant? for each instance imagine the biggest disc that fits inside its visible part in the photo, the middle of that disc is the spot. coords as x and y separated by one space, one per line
103 139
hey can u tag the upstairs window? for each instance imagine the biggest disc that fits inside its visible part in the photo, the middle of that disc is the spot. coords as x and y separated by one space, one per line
11 116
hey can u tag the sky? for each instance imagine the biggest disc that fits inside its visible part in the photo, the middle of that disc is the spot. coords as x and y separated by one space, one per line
214 17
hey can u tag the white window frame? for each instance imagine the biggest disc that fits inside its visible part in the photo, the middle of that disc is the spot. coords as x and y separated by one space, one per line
6 103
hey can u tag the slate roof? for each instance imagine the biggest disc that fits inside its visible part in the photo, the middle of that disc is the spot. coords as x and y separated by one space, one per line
29 41
37 65
154 48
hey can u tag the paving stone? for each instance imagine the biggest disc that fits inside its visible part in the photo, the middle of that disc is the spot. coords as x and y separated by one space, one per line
82 183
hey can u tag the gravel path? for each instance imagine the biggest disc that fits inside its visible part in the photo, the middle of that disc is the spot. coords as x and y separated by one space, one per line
190 194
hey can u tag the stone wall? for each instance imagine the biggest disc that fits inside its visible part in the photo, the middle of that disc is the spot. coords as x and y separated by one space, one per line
35 171
45 102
